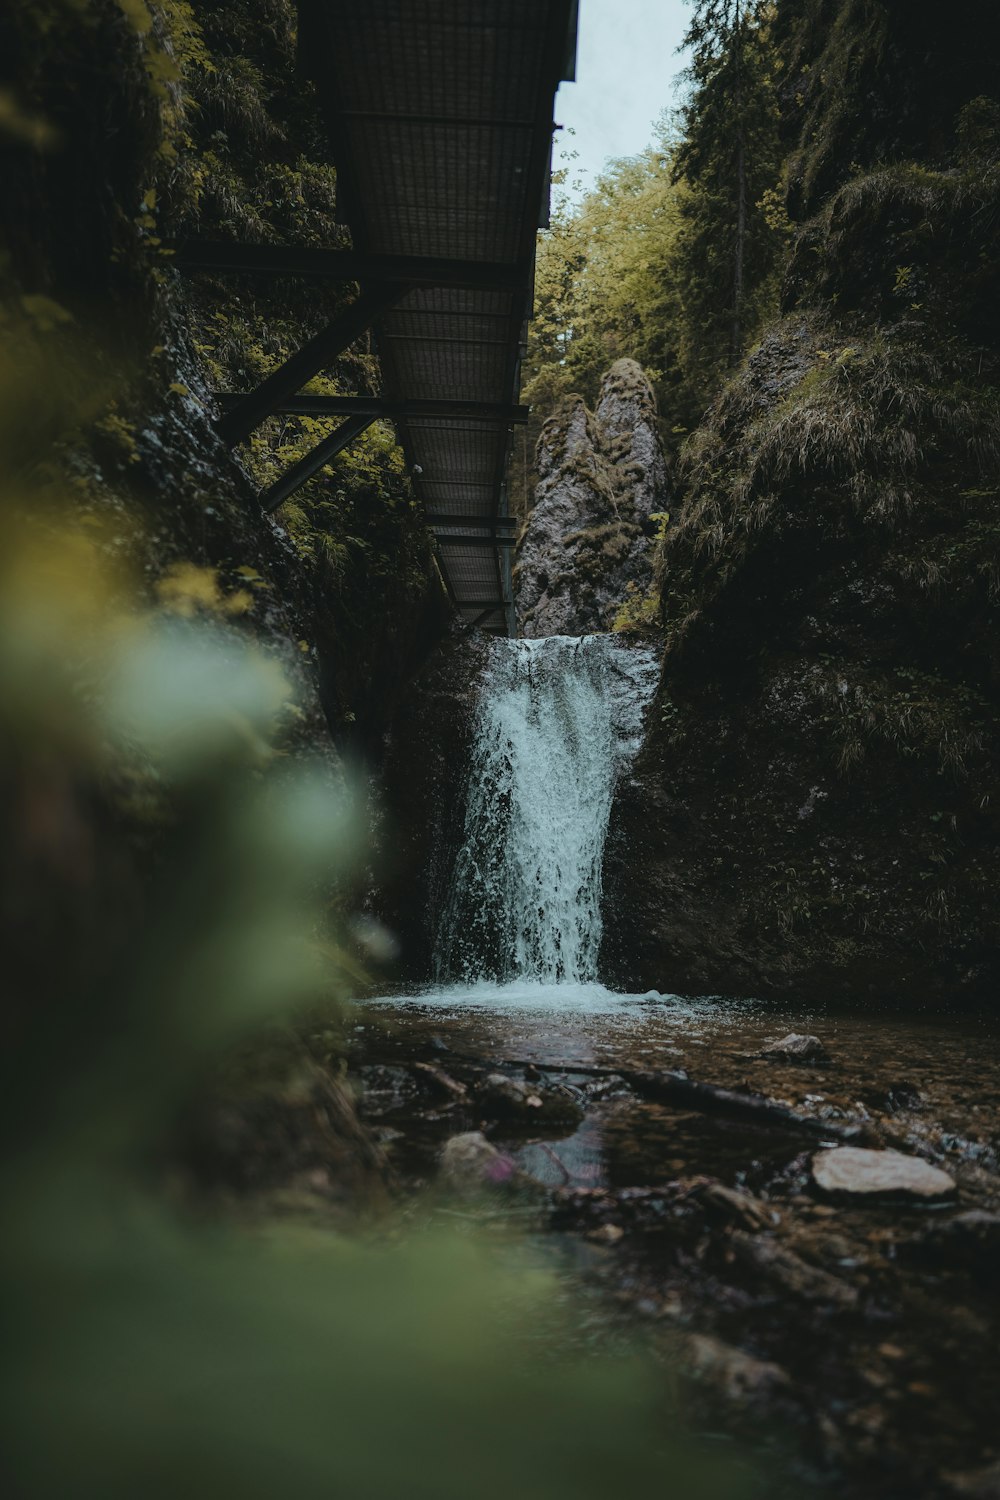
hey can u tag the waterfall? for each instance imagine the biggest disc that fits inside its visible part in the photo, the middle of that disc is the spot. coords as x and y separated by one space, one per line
557 721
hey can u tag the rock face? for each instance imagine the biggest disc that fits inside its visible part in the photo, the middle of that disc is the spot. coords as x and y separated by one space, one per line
814 806
587 540
423 794
879 1174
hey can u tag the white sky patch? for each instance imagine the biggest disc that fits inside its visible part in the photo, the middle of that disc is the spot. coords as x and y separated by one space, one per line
626 75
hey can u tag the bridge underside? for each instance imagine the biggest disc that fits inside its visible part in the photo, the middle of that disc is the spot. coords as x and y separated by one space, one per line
440 116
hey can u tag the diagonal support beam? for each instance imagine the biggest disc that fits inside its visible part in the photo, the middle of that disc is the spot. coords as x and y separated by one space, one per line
314 356
317 458
492 610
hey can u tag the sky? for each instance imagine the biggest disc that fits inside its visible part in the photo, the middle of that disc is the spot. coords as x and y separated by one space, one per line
626 67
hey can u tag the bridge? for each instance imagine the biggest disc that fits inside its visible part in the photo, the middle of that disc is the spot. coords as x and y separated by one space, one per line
440 121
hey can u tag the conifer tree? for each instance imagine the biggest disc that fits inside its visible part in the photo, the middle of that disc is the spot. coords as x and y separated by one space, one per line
729 159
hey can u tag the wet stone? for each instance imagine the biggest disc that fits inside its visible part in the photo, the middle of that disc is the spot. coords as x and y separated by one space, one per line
736 1206
796 1047
968 1242
879 1174
503 1097
789 1271
441 1081
977 1484
470 1161
737 1375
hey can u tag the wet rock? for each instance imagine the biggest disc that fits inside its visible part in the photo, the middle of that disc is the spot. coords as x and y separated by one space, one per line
384 1088
789 1271
976 1484
470 1162
899 1095
879 1174
441 1081
503 1097
735 1206
735 1374
607 1234
587 540
968 1242
796 1047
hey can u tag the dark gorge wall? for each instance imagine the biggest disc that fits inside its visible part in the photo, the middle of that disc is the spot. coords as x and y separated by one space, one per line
128 127
815 811
121 129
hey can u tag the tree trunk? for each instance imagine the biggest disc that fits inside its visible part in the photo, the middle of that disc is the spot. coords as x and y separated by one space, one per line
736 330
736 327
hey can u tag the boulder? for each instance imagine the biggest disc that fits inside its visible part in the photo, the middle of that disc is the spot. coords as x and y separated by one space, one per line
860 1173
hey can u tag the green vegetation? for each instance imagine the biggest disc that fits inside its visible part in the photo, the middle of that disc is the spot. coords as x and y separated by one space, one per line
176 874
733 227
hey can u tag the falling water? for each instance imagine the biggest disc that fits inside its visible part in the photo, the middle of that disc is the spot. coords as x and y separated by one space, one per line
558 720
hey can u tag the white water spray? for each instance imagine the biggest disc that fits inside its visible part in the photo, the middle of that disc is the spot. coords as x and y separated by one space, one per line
558 720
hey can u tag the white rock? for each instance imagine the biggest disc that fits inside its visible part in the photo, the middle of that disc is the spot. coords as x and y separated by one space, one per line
795 1045
863 1173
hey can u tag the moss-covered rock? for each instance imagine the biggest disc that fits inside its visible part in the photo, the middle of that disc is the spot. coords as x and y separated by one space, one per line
586 545
815 808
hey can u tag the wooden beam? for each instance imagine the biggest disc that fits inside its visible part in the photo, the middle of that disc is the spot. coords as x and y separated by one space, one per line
313 357
308 405
317 458
349 265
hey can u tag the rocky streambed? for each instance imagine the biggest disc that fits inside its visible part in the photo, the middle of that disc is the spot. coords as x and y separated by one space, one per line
798 1215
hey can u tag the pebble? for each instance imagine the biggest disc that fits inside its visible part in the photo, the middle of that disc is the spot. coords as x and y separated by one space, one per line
873 1174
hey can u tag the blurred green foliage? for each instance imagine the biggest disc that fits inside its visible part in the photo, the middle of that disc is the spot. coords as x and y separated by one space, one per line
168 875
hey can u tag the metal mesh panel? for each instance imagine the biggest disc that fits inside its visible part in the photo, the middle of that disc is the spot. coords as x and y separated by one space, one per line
440 111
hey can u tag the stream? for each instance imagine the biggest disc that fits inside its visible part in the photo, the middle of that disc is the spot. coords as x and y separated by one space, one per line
862 1329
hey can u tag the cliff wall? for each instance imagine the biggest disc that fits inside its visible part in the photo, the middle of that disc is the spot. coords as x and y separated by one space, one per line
602 487
815 810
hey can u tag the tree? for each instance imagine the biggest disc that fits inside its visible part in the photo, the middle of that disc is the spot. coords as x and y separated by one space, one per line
605 288
729 159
